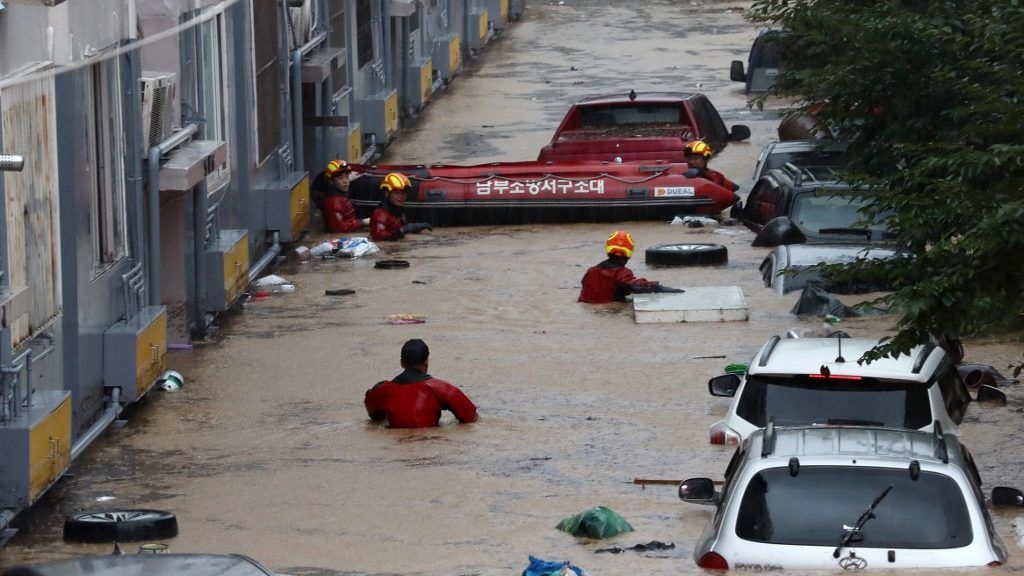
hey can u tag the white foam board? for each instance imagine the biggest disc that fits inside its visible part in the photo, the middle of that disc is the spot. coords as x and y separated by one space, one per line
699 304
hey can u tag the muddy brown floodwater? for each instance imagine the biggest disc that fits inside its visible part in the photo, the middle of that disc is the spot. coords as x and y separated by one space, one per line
267 450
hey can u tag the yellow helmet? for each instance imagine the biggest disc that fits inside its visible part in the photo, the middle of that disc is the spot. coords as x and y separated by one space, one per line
336 167
698 147
619 244
395 181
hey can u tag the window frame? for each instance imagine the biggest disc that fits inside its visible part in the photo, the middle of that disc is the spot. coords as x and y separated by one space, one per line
105 153
364 33
267 98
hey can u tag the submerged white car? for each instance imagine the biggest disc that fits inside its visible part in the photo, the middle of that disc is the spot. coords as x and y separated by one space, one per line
807 381
848 498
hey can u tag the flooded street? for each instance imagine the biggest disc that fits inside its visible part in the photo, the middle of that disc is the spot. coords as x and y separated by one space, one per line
267 450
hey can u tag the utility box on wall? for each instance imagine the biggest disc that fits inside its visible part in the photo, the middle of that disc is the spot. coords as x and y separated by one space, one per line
287 205
447 56
498 10
227 268
35 448
478 28
380 115
421 80
135 352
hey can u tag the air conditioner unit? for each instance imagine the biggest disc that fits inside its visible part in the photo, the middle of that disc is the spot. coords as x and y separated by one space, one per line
157 102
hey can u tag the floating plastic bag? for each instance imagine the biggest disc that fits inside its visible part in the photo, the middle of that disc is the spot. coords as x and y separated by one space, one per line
598 522
694 221
540 567
271 280
356 247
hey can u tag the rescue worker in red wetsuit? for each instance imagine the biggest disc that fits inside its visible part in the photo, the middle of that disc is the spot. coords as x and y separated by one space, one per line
415 399
697 154
330 192
388 221
611 281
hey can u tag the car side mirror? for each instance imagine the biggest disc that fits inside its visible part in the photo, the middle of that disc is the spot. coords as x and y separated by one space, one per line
779 231
992 394
1002 496
724 385
698 491
736 73
739 132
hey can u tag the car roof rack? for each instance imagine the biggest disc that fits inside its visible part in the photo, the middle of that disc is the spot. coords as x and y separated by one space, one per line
941 450
767 354
793 172
922 357
768 442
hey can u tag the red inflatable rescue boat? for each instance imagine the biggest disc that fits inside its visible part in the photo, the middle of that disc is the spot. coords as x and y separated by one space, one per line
529 192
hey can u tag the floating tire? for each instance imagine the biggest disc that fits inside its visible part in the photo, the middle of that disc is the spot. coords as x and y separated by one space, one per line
120 526
686 255
391 264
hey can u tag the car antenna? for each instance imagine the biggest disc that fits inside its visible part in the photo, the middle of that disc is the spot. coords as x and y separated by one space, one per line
768 442
632 95
840 359
941 452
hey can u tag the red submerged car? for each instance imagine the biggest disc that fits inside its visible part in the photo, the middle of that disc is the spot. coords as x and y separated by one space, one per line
529 192
638 127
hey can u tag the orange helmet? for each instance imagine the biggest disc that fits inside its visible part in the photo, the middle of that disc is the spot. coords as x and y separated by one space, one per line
619 244
336 167
698 147
395 181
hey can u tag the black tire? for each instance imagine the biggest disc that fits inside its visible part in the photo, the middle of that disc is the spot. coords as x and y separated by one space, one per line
686 255
390 264
120 526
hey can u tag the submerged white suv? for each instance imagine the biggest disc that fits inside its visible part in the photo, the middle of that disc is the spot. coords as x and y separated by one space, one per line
850 498
817 381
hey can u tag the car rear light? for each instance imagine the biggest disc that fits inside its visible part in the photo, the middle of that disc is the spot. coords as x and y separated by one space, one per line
834 377
995 563
724 436
712 561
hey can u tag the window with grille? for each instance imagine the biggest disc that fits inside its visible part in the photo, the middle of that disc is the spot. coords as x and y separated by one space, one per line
337 20
364 32
414 20
105 159
268 81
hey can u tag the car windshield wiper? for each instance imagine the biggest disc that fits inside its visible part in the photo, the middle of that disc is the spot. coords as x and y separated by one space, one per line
867 515
857 231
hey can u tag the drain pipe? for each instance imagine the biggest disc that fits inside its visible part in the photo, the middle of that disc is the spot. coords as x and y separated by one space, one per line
109 415
297 143
267 258
153 185
200 211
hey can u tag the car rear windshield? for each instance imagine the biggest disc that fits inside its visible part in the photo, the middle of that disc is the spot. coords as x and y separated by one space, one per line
832 214
811 508
804 401
629 114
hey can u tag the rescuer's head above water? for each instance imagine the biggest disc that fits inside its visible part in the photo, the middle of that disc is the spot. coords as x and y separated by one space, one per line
338 172
619 245
394 186
697 154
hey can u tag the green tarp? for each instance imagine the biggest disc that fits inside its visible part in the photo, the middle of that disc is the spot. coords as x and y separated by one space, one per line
598 522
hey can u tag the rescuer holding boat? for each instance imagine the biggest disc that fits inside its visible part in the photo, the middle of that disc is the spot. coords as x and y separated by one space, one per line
415 399
697 154
611 280
388 221
330 193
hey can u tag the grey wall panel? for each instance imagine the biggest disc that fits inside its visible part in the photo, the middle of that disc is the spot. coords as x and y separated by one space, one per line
91 302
